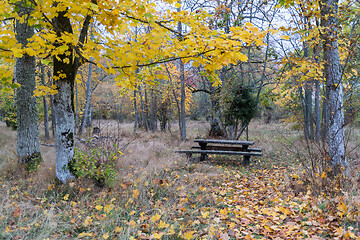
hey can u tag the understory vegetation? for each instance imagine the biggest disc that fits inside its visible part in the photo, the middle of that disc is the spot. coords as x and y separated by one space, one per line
149 192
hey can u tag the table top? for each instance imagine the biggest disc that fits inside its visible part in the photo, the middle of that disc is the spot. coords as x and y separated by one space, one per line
231 142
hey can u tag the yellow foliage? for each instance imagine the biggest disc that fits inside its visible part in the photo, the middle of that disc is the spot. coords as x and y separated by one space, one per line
155 217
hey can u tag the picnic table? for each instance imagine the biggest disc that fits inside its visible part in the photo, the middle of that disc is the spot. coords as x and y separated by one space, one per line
223 147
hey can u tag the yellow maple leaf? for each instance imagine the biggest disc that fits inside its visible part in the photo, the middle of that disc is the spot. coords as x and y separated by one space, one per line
66 197
158 235
171 231
205 214
18 53
99 207
105 236
108 208
342 209
118 229
132 223
155 218
135 194
285 37
84 234
162 224
87 221
189 235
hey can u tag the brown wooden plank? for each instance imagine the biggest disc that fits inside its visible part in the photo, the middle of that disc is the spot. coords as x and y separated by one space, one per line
227 148
215 152
230 142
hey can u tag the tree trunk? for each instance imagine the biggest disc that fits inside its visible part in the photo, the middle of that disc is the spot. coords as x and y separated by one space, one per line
308 111
182 122
317 111
28 149
153 123
46 111
136 120
334 87
63 103
52 115
182 102
88 122
307 103
143 110
77 106
317 98
87 101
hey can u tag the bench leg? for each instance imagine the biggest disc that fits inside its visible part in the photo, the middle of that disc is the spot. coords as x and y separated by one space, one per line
246 160
189 156
203 157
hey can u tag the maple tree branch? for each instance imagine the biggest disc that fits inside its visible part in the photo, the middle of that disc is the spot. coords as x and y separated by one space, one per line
168 59
201 90
159 23
6 50
85 27
8 19
43 14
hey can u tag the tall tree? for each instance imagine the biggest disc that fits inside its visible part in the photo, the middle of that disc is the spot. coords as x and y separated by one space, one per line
28 150
334 85
182 117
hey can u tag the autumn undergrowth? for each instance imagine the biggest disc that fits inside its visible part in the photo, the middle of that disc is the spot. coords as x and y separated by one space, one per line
157 194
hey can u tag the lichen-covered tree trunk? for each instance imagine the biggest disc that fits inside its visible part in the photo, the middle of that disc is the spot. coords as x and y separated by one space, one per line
64 76
334 87
28 150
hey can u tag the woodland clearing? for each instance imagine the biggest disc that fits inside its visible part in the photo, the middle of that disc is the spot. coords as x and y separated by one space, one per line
157 194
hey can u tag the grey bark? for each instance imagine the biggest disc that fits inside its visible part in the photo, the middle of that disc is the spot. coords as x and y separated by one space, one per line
87 101
77 106
63 103
52 115
334 86
136 120
307 102
143 109
317 111
27 131
89 118
153 123
182 122
46 108
317 99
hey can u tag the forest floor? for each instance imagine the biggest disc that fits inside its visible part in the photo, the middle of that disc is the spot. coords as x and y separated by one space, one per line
157 194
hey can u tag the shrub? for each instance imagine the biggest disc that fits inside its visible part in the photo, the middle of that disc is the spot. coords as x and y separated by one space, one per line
98 163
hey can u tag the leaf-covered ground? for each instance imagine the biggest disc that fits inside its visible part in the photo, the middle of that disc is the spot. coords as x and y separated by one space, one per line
154 199
183 203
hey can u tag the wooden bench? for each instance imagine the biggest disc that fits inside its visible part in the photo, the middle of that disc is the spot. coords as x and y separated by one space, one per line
223 147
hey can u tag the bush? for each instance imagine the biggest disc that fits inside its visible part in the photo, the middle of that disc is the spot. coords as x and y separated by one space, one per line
98 164
239 106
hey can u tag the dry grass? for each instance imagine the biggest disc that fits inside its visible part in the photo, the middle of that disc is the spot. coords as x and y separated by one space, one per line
152 180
